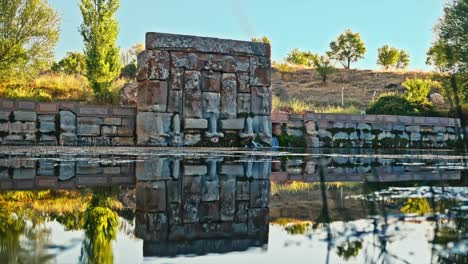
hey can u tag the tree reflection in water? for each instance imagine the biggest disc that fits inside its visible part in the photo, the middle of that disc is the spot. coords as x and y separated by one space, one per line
100 225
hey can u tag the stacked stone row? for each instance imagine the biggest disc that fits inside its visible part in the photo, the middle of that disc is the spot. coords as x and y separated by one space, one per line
180 200
356 169
66 123
193 91
23 173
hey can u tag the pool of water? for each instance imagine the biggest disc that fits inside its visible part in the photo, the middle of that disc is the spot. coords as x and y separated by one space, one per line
134 205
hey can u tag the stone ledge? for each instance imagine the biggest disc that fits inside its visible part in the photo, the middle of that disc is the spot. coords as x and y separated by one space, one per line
166 41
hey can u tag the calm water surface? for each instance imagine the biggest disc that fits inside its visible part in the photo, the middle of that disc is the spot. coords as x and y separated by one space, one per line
213 206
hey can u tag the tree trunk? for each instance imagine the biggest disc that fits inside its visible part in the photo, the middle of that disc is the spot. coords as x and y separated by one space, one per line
324 78
458 108
349 63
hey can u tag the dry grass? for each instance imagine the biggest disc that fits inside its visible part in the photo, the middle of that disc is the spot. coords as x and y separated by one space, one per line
359 86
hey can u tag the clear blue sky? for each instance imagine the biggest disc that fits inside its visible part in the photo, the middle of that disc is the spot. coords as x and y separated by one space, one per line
304 24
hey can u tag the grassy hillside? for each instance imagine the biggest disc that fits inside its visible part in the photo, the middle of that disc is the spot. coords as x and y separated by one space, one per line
360 86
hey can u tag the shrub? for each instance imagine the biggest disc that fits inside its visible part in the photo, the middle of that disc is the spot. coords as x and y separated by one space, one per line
417 90
395 104
299 57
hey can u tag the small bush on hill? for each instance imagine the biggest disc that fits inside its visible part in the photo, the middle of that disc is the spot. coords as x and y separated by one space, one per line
395 104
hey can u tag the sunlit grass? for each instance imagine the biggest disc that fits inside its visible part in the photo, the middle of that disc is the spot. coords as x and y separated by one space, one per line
297 187
296 106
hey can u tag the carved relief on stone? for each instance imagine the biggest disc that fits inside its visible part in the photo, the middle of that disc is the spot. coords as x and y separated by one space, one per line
211 81
261 100
228 96
192 95
243 103
153 65
248 129
153 128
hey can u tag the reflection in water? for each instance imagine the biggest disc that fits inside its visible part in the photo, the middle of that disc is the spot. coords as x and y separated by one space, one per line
355 208
198 207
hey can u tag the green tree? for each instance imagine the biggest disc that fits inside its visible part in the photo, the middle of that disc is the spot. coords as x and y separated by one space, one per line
323 66
299 57
263 39
417 90
437 57
347 48
387 56
403 60
72 63
29 31
99 30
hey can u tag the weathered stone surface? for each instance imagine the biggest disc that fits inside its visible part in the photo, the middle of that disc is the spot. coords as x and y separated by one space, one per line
175 105
209 211
5 127
323 133
24 173
211 104
89 126
192 170
242 211
211 81
192 95
153 65
415 136
227 198
243 83
66 170
311 128
340 136
123 141
67 121
151 196
152 170
233 124
109 130
205 44
125 131
243 191
259 191
4 115
209 189
151 226
413 129
67 139
192 123
177 78
296 132
152 96
112 121
111 170
128 94
191 187
24 116
261 100
258 220
174 191
439 129
260 71
153 128
228 96
243 103
23 128
364 126
192 139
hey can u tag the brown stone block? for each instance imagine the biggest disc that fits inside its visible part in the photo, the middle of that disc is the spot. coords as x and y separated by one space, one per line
152 96
209 211
7 104
47 108
210 62
125 131
84 110
211 81
25 105
71 106
260 71
243 103
123 141
153 65
192 94
124 111
151 196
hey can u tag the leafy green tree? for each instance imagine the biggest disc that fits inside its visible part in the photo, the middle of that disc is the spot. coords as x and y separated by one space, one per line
72 63
418 206
417 90
323 66
437 57
403 60
99 30
347 48
263 39
348 250
387 56
299 57
29 31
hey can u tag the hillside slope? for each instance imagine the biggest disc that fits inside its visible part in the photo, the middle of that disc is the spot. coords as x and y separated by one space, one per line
359 86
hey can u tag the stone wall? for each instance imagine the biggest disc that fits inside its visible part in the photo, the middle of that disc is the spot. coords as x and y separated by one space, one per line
371 131
197 91
65 123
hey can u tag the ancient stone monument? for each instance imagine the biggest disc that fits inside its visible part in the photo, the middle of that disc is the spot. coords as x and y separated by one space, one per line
195 90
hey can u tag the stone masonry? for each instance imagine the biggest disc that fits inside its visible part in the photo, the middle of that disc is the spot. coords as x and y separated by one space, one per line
194 90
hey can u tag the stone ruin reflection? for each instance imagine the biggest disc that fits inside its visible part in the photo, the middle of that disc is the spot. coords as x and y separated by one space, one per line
198 207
